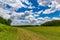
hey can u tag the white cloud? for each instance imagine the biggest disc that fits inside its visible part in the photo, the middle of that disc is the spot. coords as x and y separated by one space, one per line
17 22
52 9
28 15
26 1
44 19
55 18
14 3
54 6
43 2
39 12
4 13
49 11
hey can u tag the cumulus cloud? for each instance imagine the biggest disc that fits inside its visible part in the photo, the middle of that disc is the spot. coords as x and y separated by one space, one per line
28 16
54 6
4 13
14 3
49 11
55 18
17 22
44 2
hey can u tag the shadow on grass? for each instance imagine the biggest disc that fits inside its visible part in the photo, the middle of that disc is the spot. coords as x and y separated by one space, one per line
34 26
1 30
27 26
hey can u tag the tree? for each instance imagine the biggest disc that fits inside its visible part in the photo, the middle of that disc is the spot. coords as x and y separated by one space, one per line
3 21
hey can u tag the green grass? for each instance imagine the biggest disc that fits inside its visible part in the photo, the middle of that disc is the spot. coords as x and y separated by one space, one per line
7 32
50 33
29 33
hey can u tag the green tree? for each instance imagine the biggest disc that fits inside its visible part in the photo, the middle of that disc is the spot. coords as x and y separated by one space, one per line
3 21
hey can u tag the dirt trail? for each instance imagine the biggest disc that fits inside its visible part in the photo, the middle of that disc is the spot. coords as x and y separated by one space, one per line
28 35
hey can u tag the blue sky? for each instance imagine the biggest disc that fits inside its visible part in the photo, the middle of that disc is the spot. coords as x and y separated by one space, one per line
31 10
36 9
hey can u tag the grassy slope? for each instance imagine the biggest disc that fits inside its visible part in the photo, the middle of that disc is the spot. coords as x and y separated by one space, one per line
7 33
29 33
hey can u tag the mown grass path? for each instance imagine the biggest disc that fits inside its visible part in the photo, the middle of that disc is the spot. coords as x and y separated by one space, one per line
24 34
50 33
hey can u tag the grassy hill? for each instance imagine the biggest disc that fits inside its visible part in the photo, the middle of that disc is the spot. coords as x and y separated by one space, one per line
29 33
7 32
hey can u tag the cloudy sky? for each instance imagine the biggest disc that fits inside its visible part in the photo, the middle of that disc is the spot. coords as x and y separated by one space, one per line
30 12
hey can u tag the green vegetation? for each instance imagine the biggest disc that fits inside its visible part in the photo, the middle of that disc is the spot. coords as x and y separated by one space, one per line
52 23
47 33
16 33
7 32
29 33
4 21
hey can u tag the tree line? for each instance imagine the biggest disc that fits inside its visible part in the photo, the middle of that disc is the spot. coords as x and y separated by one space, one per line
4 21
51 23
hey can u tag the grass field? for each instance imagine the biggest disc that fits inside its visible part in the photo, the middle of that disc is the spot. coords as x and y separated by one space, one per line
29 33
